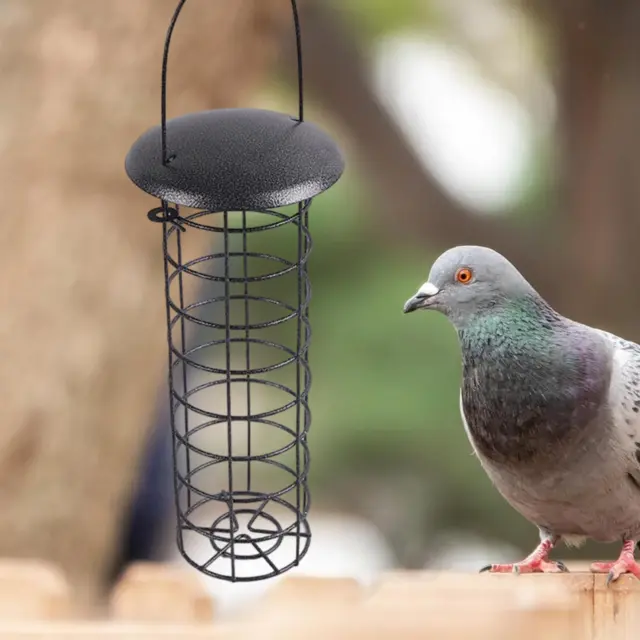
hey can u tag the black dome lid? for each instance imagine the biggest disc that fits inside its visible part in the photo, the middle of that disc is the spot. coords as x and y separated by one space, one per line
231 159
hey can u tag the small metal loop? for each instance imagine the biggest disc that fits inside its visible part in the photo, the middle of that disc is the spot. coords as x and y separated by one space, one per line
224 496
166 214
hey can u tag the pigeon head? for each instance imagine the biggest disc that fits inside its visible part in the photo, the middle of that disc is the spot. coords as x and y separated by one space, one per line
468 280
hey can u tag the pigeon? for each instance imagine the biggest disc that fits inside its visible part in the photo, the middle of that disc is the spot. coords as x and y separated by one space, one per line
551 407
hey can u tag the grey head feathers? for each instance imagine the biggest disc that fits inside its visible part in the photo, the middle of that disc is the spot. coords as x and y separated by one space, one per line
492 281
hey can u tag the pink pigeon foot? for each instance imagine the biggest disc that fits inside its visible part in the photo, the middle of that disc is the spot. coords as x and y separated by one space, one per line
537 562
626 563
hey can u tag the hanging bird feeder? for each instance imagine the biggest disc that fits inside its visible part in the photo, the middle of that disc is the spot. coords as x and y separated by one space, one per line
237 323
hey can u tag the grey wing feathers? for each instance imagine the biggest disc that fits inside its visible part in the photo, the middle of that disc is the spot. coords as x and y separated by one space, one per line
624 398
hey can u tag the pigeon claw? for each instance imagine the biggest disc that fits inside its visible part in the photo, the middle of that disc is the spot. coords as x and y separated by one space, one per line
527 566
615 569
626 563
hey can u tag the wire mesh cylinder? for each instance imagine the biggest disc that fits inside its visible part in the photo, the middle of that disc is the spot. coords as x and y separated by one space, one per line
238 334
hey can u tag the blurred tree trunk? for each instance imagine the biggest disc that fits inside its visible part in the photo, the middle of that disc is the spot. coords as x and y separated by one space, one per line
82 334
597 54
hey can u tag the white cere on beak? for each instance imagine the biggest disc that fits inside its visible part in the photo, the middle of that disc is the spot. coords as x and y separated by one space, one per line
428 289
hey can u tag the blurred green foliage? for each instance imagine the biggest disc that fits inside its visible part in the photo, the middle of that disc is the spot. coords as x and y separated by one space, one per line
375 18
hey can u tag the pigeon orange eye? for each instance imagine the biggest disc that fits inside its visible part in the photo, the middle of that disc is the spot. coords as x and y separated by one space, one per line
464 275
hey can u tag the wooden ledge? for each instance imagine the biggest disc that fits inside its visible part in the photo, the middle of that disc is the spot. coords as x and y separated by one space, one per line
158 601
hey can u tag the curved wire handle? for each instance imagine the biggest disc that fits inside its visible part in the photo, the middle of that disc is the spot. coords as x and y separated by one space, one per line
165 59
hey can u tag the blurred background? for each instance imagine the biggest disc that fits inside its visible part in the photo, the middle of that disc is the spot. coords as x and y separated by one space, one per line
512 124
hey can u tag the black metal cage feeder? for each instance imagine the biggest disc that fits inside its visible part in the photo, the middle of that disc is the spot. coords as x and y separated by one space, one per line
237 323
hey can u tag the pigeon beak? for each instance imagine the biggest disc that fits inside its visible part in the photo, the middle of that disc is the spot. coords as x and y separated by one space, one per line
422 297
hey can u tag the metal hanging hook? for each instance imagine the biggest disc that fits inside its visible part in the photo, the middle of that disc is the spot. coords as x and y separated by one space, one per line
166 159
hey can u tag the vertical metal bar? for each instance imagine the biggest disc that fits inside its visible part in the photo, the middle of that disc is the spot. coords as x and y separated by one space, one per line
166 227
299 328
183 344
307 293
247 335
227 330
